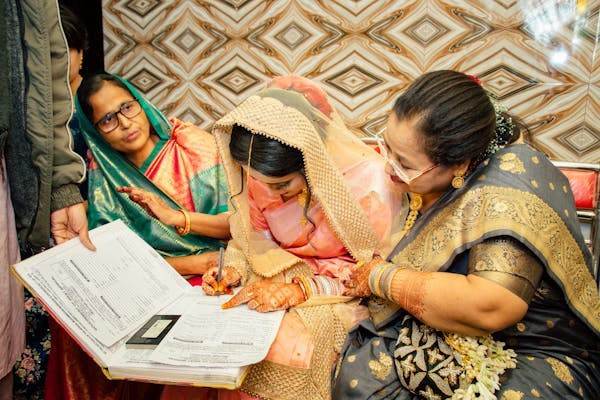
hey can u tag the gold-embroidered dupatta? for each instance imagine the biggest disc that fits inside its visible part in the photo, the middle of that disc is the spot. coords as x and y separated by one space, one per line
314 128
297 113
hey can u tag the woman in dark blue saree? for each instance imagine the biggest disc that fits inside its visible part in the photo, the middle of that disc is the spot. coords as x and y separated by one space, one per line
489 292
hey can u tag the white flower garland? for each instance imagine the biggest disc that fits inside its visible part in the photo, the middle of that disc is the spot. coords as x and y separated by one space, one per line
484 360
503 131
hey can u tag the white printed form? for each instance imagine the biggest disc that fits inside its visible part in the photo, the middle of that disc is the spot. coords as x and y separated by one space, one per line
208 336
109 291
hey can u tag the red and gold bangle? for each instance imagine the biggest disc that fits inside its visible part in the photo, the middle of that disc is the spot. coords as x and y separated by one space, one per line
187 225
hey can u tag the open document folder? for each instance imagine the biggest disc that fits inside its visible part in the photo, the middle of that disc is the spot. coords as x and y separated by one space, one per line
102 298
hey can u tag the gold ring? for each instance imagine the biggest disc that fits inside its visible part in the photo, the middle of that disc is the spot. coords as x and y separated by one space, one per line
250 294
350 284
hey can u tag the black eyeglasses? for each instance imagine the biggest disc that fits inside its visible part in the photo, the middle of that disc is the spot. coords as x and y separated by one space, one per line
110 121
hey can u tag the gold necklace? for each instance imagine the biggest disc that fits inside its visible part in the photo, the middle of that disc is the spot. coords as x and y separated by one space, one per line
416 202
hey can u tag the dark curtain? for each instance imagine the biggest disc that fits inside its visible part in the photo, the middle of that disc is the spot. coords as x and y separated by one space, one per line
90 12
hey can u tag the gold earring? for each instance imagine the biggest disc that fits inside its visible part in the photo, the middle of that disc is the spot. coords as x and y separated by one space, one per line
458 180
302 198
81 63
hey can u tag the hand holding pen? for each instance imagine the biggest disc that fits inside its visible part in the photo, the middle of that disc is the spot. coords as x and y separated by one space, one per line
220 273
220 279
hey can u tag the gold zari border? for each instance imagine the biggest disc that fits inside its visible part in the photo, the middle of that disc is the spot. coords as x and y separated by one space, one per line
482 211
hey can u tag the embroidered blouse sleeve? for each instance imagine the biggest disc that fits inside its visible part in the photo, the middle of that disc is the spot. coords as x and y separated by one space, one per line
508 263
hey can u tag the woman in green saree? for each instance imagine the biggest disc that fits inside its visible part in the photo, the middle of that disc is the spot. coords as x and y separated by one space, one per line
170 169
491 252
172 172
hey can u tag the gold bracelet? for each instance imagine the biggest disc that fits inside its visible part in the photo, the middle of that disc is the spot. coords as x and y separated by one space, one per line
307 285
187 225
297 281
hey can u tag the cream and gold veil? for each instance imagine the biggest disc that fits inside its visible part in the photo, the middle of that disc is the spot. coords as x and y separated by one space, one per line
297 112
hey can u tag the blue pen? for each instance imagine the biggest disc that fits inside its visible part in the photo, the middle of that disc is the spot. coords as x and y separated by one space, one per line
220 271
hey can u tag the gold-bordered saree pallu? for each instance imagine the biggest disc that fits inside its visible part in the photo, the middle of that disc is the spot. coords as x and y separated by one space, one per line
516 193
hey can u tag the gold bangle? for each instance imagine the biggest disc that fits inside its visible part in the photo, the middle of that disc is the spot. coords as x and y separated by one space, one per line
390 280
182 231
297 281
305 285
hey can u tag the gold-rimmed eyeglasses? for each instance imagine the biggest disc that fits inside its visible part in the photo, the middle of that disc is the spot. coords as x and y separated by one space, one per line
110 121
399 171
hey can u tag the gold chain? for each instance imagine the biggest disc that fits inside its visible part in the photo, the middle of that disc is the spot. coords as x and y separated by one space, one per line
416 202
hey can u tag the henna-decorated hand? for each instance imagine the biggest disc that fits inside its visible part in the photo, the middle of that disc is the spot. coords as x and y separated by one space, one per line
358 285
265 296
229 278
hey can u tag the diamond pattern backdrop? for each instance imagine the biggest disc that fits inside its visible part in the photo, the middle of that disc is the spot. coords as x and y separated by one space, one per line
198 59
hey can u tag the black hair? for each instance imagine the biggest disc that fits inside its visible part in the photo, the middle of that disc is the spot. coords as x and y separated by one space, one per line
269 156
74 29
454 115
91 85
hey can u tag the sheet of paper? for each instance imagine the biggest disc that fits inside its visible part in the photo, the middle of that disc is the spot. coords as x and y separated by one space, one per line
108 292
209 336
136 365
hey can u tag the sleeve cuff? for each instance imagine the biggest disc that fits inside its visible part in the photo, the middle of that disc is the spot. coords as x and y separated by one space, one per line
65 196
